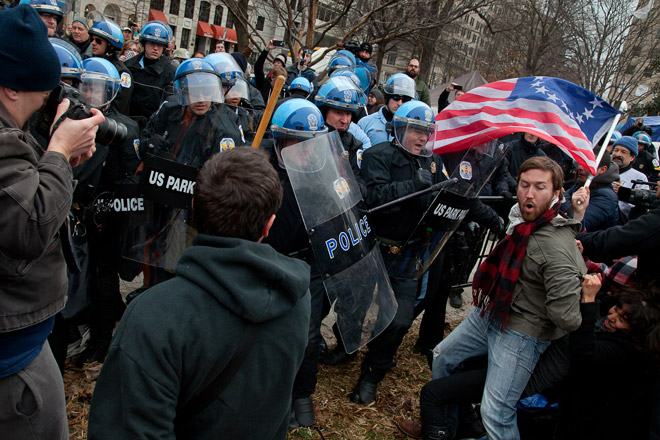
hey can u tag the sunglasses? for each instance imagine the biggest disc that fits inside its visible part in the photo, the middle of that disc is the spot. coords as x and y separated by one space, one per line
400 98
98 40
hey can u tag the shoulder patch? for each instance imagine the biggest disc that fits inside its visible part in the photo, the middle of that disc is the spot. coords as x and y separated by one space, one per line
126 80
358 157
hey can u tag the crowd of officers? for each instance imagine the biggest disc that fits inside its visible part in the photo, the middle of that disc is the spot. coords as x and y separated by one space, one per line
187 110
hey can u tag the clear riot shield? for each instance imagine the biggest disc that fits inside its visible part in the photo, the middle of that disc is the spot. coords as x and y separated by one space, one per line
159 235
471 170
351 265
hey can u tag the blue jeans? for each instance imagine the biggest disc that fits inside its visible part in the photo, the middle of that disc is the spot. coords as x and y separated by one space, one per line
511 360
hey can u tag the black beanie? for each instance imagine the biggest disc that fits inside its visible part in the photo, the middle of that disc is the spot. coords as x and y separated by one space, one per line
28 60
241 60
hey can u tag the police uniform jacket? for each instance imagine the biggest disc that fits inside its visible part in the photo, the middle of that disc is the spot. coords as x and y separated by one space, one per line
151 83
388 172
178 135
123 100
375 126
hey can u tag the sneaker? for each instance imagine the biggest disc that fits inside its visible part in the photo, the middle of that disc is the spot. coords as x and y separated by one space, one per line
77 346
411 428
456 298
95 352
364 392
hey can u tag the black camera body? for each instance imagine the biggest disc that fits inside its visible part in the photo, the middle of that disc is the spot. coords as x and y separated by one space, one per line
352 46
641 198
110 132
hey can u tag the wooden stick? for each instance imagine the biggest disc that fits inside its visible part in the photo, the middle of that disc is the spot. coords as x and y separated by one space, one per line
263 125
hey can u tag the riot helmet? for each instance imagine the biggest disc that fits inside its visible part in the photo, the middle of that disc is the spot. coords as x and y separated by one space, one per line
52 7
642 138
71 62
400 85
226 66
414 126
616 135
196 81
155 32
301 84
107 29
340 63
296 120
100 82
341 93
365 77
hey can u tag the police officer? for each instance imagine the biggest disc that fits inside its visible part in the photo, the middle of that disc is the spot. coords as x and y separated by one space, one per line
152 72
399 89
107 41
113 164
295 121
50 11
646 161
392 170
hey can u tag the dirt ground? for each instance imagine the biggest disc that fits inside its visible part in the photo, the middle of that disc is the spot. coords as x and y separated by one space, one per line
337 417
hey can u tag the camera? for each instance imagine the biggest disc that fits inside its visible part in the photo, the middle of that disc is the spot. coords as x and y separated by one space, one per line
352 46
639 197
278 43
457 87
110 132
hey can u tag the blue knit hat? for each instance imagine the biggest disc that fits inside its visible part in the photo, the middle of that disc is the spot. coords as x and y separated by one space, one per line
629 142
28 60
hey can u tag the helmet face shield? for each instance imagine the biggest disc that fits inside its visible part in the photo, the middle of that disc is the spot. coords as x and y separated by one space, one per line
239 90
99 89
286 137
400 84
342 93
198 87
414 136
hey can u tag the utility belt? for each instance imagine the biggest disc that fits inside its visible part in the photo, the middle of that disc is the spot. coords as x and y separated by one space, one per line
388 246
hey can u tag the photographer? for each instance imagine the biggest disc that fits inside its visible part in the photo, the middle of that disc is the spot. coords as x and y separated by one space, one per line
36 195
301 68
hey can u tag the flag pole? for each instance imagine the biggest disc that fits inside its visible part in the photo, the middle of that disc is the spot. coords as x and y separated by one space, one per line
623 108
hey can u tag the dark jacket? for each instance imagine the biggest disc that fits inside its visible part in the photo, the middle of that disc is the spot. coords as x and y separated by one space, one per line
388 172
640 237
172 335
605 393
151 84
603 209
644 163
519 151
122 102
35 196
443 100
188 139
261 80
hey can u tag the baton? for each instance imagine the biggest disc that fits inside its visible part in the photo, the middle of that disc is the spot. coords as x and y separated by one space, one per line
263 125
435 187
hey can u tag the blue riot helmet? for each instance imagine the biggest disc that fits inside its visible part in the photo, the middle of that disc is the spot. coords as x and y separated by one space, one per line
296 120
53 7
401 85
616 135
341 93
365 77
301 84
355 79
642 138
155 32
100 82
414 126
71 62
226 66
107 29
340 63
196 81
167 26
345 53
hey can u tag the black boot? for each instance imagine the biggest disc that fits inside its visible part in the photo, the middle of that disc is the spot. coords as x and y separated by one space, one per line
436 433
469 423
365 391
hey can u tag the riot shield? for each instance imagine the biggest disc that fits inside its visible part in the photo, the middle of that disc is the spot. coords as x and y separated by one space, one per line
351 265
158 236
469 170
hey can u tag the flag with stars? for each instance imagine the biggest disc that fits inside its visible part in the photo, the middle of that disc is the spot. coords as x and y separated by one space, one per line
553 109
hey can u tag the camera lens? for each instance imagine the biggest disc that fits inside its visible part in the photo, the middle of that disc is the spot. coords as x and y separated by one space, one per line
111 133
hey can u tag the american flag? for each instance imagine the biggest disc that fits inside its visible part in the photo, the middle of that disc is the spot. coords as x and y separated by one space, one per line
553 109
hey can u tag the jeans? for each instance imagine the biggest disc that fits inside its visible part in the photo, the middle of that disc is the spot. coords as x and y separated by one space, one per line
511 360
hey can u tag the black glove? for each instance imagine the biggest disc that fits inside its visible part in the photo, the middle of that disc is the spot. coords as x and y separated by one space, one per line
423 179
158 145
508 197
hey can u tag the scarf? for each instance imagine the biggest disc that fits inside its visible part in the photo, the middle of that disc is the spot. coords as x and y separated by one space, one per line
493 283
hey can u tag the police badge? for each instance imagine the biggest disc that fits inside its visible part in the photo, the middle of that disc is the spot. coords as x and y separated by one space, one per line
341 187
466 170
227 144
347 96
433 168
313 122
